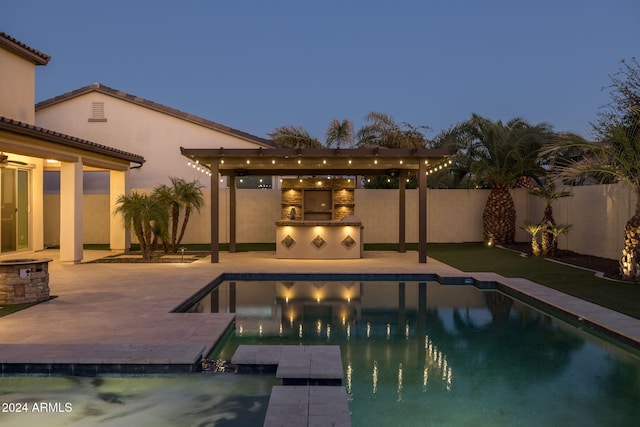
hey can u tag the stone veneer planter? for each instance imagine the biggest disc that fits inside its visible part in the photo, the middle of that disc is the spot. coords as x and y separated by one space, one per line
24 280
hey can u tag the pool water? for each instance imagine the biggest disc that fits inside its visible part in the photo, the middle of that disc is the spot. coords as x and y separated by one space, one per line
156 401
414 354
429 354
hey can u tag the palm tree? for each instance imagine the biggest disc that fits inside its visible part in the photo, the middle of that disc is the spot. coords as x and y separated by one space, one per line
188 195
617 155
340 134
142 214
550 193
533 229
500 153
164 195
383 131
173 198
556 230
294 137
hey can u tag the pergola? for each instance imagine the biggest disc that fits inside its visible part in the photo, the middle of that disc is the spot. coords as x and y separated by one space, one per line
319 162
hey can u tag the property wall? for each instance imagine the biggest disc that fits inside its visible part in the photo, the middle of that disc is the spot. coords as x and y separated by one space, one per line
17 87
95 219
598 214
136 129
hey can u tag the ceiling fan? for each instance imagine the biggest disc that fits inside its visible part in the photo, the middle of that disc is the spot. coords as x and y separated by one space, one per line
4 161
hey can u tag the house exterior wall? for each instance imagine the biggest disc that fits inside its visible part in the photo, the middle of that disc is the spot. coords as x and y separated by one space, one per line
17 87
152 134
598 214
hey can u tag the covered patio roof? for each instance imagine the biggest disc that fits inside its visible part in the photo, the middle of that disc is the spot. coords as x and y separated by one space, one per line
319 161
29 140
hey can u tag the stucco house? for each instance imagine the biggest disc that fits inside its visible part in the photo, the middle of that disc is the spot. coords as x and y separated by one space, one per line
128 122
28 150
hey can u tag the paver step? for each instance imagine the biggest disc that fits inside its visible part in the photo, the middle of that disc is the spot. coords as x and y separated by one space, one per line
292 406
294 364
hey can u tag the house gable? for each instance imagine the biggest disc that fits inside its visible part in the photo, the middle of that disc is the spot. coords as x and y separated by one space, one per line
129 123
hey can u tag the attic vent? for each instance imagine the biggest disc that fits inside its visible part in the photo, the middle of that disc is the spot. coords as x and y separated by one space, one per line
97 112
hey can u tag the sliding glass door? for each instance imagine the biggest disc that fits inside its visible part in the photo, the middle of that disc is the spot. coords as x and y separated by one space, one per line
14 209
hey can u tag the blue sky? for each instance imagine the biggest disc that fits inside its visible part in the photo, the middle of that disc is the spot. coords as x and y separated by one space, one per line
255 65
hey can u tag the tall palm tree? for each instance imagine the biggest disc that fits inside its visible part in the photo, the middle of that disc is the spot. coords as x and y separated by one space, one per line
617 155
383 131
500 153
142 214
340 134
294 137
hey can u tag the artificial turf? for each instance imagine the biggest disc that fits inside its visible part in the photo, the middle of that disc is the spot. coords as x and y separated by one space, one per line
623 297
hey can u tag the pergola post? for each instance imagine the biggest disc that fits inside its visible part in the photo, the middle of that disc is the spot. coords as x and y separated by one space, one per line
422 212
232 212
402 212
215 214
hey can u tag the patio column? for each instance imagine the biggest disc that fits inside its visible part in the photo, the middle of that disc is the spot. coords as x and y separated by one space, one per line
71 211
215 214
402 212
119 237
232 212
422 212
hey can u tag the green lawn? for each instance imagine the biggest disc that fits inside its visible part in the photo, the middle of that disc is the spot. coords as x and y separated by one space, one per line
618 296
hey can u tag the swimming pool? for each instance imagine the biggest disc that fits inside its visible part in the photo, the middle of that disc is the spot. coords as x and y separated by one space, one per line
431 354
414 353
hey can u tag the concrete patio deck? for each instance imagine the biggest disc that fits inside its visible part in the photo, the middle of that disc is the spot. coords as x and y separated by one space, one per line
119 314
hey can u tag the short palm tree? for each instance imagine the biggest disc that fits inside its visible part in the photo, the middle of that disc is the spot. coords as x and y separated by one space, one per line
550 193
174 198
189 196
617 155
556 230
534 229
498 155
142 214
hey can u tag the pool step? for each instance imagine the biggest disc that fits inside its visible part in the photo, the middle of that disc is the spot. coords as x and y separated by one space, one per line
293 364
292 406
311 393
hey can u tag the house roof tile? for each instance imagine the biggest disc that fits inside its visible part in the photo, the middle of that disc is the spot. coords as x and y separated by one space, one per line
21 49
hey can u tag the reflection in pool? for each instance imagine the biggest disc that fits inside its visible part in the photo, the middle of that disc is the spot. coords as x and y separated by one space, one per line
415 354
441 355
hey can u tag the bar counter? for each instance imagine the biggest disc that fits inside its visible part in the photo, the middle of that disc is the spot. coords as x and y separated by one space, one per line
319 239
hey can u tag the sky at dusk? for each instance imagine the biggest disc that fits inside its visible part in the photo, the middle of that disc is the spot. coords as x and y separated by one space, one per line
255 65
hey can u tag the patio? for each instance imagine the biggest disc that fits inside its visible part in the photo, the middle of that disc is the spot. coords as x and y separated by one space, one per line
119 314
